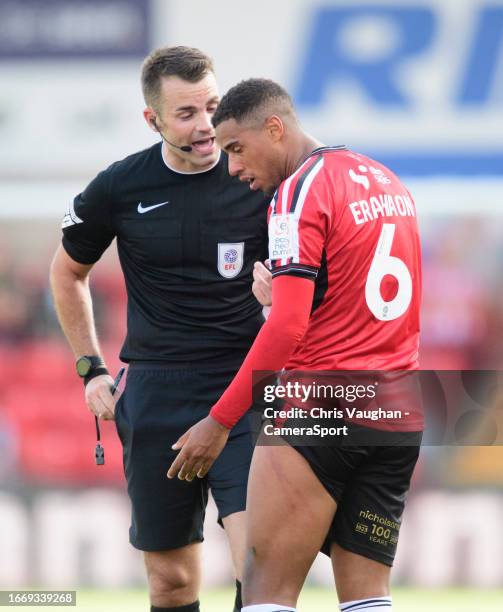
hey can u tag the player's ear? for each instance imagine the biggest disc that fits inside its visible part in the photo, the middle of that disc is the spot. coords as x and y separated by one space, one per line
274 127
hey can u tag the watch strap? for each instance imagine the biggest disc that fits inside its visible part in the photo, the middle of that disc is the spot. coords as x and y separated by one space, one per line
96 366
94 373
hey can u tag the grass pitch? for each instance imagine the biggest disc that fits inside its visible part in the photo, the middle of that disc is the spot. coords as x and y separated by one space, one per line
312 600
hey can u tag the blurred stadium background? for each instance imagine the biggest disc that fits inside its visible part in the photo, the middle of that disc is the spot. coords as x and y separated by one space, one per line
419 85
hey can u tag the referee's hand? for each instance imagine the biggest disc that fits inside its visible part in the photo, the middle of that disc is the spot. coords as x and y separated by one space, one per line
200 446
262 283
99 399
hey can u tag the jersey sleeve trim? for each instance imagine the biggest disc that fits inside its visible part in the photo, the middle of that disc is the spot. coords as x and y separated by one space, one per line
292 192
295 269
286 214
71 218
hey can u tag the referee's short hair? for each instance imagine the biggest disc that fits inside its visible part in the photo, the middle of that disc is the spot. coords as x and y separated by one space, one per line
253 100
187 63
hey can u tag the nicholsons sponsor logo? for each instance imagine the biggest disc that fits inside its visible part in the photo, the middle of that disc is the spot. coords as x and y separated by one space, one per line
230 258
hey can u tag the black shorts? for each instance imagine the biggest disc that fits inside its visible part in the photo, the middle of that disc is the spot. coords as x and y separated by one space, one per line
369 484
158 405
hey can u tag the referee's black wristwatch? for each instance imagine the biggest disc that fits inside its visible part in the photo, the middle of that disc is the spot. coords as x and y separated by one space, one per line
90 366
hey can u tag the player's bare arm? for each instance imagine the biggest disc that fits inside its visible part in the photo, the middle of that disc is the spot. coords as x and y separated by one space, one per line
73 302
262 283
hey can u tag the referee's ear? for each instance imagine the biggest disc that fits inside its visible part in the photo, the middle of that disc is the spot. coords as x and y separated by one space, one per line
150 116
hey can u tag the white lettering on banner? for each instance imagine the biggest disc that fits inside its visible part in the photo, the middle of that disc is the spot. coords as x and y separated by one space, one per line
95 520
65 538
44 535
372 87
446 521
383 77
346 43
14 534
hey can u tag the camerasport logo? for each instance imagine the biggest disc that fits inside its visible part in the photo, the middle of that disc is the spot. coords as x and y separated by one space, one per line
230 258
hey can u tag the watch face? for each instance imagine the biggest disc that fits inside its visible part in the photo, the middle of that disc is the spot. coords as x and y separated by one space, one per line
83 366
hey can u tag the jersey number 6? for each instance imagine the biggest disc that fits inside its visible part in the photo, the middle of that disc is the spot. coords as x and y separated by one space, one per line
382 265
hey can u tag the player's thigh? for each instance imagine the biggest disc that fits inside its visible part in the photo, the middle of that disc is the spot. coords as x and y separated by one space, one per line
288 515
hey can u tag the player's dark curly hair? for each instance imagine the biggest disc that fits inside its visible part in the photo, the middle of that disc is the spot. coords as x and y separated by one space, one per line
248 98
187 63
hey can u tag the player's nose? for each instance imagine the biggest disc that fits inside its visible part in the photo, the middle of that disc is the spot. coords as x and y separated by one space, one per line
234 166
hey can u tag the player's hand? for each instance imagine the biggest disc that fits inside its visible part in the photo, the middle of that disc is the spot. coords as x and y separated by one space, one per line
200 446
262 283
99 399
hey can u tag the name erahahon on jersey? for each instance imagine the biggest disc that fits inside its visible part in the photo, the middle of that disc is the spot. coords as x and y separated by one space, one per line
382 205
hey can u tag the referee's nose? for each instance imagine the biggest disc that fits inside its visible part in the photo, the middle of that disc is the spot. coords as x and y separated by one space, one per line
204 123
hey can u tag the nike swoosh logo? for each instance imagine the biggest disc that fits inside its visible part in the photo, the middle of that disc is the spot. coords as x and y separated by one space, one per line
143 209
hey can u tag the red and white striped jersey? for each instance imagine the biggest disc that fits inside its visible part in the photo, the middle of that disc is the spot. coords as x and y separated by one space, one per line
347 222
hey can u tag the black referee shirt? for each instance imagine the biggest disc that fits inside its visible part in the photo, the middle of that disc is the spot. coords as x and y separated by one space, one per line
187 244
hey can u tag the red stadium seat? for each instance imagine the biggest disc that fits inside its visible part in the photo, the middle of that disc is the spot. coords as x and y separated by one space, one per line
44 363
65 455
57 436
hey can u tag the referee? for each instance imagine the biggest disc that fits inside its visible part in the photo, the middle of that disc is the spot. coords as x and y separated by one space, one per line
187 235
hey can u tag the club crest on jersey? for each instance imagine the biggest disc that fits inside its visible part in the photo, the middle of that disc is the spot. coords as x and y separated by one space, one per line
230 258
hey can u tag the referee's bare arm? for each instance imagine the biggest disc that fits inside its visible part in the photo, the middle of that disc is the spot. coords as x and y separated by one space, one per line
74 307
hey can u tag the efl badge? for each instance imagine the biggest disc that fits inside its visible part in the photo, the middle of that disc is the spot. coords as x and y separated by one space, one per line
230 258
